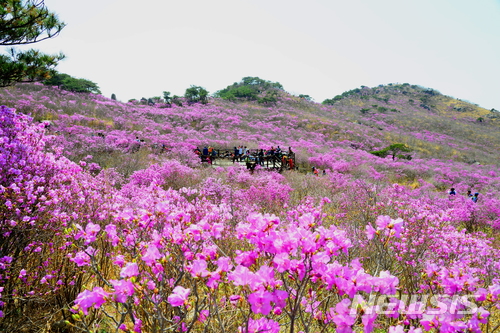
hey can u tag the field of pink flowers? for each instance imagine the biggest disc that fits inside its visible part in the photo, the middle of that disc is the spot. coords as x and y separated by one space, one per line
101 233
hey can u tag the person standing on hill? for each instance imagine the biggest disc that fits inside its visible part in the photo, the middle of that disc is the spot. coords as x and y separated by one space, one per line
241 153
452 191
236 154
260 157
474 197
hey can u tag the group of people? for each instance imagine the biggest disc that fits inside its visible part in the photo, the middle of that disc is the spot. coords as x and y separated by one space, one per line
251 157
241 152
469 194
315 171
260 156
208 154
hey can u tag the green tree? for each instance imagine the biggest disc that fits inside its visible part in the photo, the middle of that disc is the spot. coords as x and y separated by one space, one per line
331 101
270 98
67 82
27 66
394 150
241 92
167 98
113 97
256 81
196 94
26 22
81 85
249 88
306 97
57 79
177 100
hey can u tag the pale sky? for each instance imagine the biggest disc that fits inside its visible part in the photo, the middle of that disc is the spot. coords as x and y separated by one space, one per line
316 47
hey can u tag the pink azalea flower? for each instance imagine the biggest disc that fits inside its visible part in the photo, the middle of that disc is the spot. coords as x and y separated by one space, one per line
321 258
138 326
282 262
213 281
387 283
397 226
82 258
494 290
151 255
224 264
179 296
260 326
260 302
279 298
199 268
119 260
87 299
481 294
112 234
429 321
241 276
264 276
89 234
131 269
234 299
383 221
203 315
482 315
342 316
123 289
246 258
368 320
370 231
396 329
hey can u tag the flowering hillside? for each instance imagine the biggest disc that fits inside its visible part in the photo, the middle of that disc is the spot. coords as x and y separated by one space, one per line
434 124
109 222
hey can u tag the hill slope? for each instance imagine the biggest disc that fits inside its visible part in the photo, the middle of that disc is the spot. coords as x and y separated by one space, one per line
433 125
